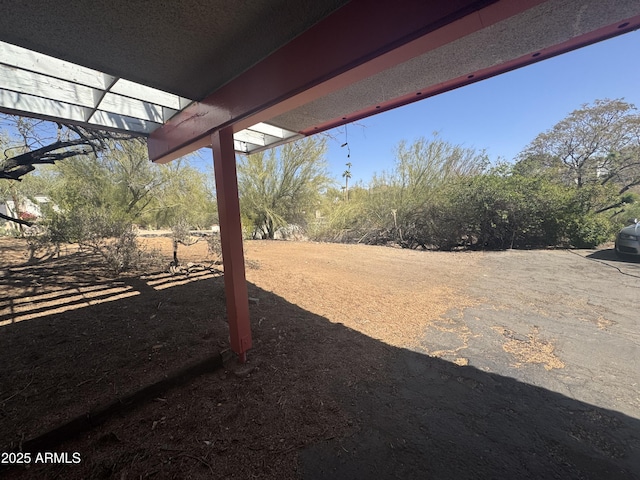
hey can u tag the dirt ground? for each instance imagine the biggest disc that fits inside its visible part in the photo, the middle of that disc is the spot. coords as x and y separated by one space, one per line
368 362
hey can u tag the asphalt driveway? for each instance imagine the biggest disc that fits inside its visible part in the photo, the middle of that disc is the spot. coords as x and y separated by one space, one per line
538 379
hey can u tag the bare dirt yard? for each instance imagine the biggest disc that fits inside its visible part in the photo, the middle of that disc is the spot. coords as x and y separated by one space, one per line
368 362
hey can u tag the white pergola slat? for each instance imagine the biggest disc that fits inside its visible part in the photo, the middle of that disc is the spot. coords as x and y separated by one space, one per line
121 122
150 95
25 59
262 136
35 84
31 105
38 85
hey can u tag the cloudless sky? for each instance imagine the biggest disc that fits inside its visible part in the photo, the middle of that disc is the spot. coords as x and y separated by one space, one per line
500 115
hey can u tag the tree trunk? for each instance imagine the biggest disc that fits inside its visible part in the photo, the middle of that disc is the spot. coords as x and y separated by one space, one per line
270 230
18 211
175 252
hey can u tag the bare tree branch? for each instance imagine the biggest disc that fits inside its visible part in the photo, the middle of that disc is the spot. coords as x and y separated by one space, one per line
16 220
16 167
79 141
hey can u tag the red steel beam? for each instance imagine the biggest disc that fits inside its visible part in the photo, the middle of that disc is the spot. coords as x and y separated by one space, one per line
360 39
235 284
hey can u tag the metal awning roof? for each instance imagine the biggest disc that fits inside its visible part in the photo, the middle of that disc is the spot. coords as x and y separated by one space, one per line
273 70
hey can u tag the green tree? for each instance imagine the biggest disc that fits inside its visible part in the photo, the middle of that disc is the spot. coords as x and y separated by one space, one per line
120 180
185 195
123 183
283 185
597 143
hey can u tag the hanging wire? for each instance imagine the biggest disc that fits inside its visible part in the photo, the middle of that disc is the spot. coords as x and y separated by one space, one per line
346 142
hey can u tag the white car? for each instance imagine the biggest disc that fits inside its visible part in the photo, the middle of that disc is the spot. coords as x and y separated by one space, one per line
628 240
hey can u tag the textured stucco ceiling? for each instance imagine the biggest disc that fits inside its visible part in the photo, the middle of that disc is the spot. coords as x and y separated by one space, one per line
187 47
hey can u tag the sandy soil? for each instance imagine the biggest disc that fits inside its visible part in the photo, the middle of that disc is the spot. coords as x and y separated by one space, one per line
340 383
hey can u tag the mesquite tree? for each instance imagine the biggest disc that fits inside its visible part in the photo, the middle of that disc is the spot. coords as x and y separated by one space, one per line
598 143
27 143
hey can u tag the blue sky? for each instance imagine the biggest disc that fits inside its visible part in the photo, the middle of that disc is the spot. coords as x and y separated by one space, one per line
500 115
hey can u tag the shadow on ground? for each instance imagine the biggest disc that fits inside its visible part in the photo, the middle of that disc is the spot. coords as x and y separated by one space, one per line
317 400
433 419
610 255
72 339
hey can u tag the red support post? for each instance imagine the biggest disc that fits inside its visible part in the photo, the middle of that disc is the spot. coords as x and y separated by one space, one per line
235 283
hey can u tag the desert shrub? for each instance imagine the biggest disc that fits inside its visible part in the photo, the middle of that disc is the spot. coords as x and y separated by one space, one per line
39 242
119 253
397 207
180 232
494 210
343 222
498 210
214 247
102 233
588 231
181 235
